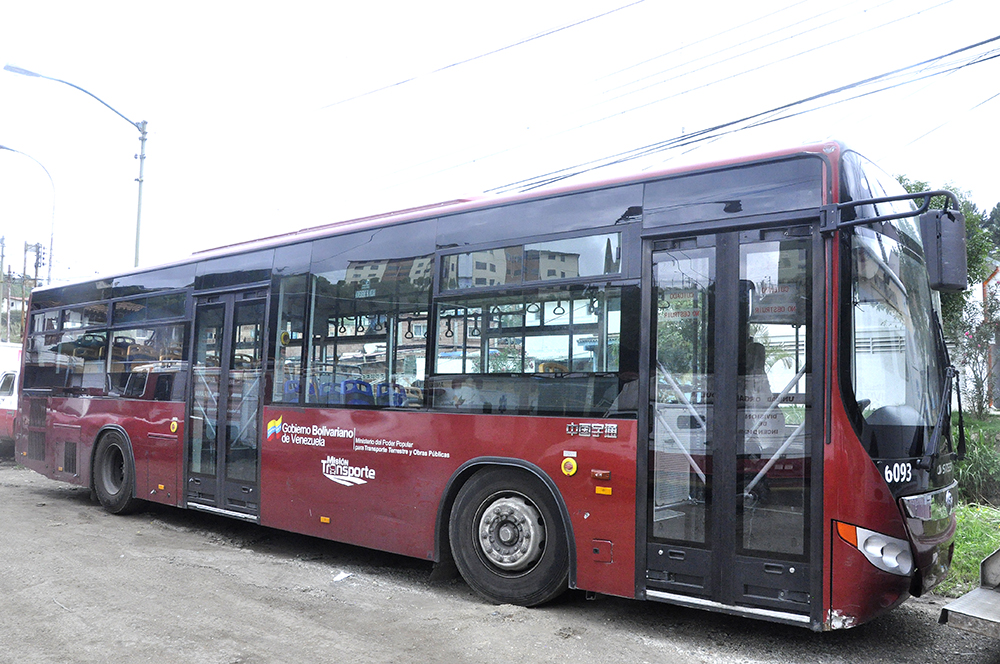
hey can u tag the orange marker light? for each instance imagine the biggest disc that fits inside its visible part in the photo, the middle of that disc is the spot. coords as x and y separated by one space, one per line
849 533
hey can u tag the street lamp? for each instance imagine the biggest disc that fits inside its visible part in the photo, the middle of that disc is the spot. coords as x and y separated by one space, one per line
141 126
52 225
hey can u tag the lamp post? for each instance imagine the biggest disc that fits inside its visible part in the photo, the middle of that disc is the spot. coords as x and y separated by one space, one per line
141 126
52 224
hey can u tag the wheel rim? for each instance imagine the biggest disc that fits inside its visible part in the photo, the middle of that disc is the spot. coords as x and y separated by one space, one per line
113 475
511 533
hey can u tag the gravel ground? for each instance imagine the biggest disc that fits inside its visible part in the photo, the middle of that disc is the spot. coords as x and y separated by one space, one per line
167 585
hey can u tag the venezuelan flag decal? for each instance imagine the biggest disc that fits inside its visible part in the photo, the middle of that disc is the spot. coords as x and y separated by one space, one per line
273 428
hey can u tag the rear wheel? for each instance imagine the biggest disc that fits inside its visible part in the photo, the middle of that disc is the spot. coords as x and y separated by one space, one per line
114 474
508 539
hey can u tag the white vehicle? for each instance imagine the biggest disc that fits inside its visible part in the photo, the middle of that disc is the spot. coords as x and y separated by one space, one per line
10 365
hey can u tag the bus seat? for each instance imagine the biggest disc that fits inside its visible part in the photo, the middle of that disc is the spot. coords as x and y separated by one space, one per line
172 351
291 391
328 393
387 394
356 392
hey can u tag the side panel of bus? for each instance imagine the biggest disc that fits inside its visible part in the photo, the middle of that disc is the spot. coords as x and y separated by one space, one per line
71 426
378 479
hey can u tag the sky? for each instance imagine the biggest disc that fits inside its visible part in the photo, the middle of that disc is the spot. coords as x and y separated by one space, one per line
265 118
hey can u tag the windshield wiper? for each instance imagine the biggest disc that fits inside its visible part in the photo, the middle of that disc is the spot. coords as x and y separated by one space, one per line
932 446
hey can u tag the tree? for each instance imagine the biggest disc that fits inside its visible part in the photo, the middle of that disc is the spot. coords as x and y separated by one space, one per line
975 339
993 225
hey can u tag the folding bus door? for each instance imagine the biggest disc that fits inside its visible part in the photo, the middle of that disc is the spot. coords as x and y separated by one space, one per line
730 415
223 433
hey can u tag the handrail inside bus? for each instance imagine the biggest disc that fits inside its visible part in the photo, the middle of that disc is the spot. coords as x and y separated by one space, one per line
204 413
677 441
774 459
774 403
680 395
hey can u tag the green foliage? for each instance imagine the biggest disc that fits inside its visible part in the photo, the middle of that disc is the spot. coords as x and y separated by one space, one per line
993 225
974 334
978 536
979 474
677 341
507 359
978 533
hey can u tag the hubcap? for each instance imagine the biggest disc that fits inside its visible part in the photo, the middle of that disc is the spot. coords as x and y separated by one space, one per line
511 533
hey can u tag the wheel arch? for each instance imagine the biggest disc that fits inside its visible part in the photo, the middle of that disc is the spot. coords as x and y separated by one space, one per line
442 549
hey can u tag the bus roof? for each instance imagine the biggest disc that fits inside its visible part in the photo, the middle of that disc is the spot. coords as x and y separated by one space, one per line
830 148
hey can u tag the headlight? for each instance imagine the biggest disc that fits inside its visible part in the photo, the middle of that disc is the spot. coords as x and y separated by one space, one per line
889 554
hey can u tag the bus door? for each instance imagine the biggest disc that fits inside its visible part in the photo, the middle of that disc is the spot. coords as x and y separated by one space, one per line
222 456
730 416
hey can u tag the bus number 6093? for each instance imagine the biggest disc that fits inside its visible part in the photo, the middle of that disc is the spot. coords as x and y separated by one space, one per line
898 472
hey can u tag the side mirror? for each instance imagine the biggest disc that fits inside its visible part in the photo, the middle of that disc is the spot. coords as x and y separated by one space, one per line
943 234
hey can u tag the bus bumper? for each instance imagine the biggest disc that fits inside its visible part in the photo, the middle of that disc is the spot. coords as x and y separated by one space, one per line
930 522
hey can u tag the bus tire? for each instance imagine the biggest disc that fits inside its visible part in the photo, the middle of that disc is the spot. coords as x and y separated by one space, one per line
508 539
114 474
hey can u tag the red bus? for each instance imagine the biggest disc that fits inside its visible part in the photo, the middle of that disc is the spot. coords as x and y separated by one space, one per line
723 387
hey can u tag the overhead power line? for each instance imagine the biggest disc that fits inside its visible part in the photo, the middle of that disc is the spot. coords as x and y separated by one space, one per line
838 40
617 114
775 32
982 103
705 39
772 115
547 33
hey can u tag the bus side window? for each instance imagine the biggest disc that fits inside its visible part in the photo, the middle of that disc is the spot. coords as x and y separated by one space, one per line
164 387
544 351
291 329
368 342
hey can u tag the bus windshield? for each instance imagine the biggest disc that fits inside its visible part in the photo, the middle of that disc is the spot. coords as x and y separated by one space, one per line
899 363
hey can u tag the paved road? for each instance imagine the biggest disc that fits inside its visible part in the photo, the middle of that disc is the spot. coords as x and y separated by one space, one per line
164 585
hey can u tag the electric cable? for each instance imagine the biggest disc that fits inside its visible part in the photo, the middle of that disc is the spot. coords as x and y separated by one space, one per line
772 33
521 42
618 114
703 40
561 174
762 66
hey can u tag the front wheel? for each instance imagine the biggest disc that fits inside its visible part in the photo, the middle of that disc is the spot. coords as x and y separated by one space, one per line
114 474
508 539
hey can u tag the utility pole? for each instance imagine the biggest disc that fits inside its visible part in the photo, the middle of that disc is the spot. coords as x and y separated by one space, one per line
39 260
141 126
10 292
24 284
